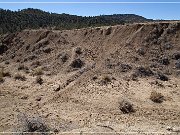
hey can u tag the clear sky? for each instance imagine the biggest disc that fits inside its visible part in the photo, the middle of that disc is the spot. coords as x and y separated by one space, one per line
151 11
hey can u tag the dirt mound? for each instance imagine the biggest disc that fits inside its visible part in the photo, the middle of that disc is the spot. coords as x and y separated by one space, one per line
93 69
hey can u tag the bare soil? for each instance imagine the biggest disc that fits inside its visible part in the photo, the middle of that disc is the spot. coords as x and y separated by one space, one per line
85 73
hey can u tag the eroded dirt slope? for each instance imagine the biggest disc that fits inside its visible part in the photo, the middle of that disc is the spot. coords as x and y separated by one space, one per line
86 73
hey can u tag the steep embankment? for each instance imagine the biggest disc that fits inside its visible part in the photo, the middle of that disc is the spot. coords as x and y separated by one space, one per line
87 72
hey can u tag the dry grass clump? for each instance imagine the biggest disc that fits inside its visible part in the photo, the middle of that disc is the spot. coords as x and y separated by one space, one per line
37 71
39 80
20 77
104 80
156 97
3 74
126 106
33 124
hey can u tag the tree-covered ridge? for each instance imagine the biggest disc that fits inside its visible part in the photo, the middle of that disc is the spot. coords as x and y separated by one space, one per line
12 21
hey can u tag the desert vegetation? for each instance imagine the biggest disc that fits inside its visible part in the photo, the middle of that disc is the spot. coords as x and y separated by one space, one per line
106 79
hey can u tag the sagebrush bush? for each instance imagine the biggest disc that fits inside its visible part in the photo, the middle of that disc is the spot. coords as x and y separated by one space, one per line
156 97
126 106
105 80
33 124
37 71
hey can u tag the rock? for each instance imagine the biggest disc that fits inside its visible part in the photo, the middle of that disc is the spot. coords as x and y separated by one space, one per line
108 31
162 77
141 51
56 87
38 99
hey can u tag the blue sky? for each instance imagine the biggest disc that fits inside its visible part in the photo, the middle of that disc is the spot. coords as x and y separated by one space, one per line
151 11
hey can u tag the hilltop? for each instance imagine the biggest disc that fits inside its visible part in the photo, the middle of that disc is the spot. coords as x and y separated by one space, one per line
13 21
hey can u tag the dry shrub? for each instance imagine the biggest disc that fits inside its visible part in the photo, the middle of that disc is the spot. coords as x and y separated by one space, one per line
63 56
77 63
18 76
35 64
125 67
37 71
78 50
3 74
32 125
104 80
39 80
126 106
162 77
143 71
156 97
24 68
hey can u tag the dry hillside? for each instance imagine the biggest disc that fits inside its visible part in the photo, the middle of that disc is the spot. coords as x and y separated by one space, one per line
120 79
